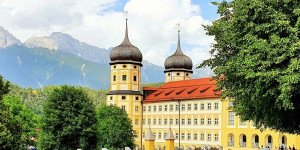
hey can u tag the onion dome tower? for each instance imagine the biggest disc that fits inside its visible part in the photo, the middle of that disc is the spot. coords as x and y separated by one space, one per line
178 66
125 78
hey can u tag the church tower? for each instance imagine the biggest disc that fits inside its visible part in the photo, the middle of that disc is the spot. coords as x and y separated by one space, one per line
125 78
178 66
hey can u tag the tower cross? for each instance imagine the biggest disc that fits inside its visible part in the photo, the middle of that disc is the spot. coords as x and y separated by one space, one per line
178 26
126 14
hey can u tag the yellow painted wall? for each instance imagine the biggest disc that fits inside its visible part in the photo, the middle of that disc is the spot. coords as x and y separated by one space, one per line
177 76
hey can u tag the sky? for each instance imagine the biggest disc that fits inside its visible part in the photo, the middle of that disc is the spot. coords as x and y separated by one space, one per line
151 23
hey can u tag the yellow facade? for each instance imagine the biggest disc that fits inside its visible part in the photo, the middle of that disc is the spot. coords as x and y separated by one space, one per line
177 76
203 122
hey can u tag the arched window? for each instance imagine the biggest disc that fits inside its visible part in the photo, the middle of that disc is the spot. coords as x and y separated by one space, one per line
282 140
244 138
269 139
256 139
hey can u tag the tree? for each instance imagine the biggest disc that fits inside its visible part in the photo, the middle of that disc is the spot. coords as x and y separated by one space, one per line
256 54
4 87
20 124
69 120
114 128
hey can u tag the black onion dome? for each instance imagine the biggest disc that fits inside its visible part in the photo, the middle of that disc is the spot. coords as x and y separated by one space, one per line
178 61
126 52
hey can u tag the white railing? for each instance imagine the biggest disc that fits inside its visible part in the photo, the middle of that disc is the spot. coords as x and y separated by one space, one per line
243 144
255 145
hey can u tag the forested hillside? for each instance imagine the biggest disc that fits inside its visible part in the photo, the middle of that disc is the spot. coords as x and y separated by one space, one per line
34 99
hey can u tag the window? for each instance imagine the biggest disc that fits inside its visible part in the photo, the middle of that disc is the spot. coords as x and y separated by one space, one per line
111 98
115 66
154 134
195 106
124 66
189 121
182 107
216 105
134 78
171 107
154 121
171 121
114 78
136 108
209 121
159 135
144 108
149 121
189 106
160 108
202 137
216 121
209 106
123 97
177 136
195 121
189 136
178 74
136 121
231 118
143 134
187 74
166 121
230 104
202 106
124 77
216 137
136 98
134 67
149 108
195 136
169 74
165 135
123 108
202 120
144 121
177 121
177 107
159 121
182 136
208 137
166 107
183 121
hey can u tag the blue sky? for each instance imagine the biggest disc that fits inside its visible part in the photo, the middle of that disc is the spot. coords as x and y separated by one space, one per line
101 23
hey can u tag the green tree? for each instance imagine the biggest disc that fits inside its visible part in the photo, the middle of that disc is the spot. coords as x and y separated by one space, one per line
69 120
4 87
20 124
114 128
257 52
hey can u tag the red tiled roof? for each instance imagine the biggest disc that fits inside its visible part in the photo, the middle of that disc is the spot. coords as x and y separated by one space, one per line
150 88
184 90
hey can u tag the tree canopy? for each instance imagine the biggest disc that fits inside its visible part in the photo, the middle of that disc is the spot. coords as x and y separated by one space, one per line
114 128
69 120
257 52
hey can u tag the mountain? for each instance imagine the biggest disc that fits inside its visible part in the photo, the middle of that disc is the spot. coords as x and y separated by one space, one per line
66 43
7 39
38 67
60 59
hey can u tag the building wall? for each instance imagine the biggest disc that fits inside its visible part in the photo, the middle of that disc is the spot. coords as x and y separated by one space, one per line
160 116
177 76
234 129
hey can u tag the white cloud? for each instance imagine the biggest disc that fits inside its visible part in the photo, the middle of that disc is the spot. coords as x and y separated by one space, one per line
151 24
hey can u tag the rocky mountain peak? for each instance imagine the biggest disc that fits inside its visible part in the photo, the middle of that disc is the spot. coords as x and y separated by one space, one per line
7 39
